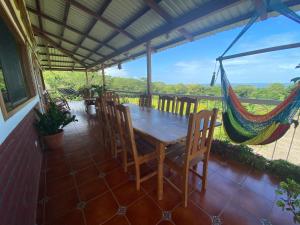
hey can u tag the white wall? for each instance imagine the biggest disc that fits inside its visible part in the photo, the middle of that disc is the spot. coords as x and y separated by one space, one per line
7 126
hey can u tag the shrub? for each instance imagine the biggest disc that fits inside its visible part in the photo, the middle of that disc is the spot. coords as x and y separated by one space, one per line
245 155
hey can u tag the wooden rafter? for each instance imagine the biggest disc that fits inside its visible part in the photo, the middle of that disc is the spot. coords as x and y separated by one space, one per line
65 51
38 7
48 57
93 23
37 30
67 26
64 69
62 66
66 14
100 18
206 9
75 54
59 61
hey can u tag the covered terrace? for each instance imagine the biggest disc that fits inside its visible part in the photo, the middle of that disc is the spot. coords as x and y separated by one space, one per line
82 182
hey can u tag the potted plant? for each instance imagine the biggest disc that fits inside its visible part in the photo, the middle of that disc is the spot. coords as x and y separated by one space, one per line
51 124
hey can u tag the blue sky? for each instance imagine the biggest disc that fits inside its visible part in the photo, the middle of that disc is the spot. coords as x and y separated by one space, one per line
193 62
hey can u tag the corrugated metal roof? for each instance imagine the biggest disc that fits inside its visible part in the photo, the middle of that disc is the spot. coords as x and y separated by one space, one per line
90 44
34 19
71 35
105 50
101 31
93 5
51 27
142 26
82 51
78 19
31 3
120 41
130 24
120 11
67 46
53 8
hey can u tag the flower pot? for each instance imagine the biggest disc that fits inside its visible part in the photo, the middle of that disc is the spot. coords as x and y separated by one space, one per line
54 141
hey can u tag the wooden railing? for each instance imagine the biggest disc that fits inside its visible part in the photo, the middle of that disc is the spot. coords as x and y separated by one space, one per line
288 147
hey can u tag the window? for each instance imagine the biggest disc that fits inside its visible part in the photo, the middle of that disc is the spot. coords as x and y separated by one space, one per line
13 84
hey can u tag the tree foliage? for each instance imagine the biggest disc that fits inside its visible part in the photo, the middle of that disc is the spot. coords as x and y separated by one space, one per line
76 80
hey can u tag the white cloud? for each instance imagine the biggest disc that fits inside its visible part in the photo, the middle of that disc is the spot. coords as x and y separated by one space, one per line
250 43
115 72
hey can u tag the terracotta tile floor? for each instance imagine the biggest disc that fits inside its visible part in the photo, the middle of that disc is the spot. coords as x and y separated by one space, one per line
81 184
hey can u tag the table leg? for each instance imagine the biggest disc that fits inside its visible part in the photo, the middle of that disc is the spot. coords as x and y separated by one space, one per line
160 148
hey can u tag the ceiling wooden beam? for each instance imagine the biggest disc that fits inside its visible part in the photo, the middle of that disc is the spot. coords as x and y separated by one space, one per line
64 69
48 57
93 23
59 61
202 11
38 7
37 30
65 51
66 14
62 66
59 55
100 18
68 27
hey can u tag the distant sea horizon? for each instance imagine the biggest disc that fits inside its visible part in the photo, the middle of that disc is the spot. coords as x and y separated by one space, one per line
258 85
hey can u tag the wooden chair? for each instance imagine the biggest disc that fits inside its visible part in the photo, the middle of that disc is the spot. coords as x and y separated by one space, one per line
184 105
141 151
115 142
166 103
145 100
102 113
184 157
111 96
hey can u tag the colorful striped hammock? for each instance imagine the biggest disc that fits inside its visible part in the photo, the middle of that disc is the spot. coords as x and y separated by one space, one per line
244 127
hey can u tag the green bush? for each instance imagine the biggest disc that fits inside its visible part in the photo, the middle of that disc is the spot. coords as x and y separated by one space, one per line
245 155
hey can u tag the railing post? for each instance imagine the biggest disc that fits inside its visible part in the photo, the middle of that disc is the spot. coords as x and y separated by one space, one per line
149 68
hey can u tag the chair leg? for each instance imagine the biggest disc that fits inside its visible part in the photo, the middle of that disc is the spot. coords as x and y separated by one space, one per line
125 160
204 177
137 177
185 187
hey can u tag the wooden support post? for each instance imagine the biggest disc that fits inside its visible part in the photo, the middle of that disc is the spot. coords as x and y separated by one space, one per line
149 69
103 78
42 79
86 78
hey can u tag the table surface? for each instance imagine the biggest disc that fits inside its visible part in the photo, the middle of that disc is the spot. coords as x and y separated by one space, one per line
165 127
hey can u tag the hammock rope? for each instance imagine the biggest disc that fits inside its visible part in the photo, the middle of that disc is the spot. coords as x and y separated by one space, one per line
244 127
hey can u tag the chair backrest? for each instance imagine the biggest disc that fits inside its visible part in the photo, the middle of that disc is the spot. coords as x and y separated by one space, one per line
145 100
111 96
200 133
126 130
102 111
112 115
186 105
166 103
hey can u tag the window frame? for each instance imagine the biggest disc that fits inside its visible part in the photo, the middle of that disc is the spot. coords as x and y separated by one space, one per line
26 68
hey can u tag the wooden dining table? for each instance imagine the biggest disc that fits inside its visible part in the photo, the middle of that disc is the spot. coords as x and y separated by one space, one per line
160 128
